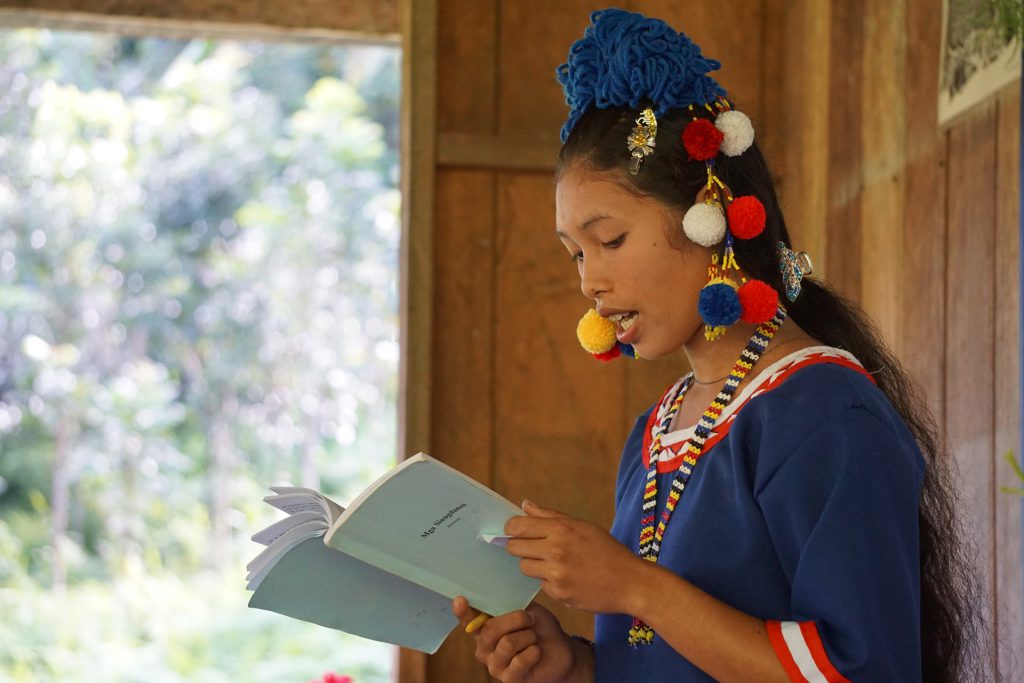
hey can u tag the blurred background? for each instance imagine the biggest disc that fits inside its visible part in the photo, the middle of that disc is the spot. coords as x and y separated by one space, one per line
198 298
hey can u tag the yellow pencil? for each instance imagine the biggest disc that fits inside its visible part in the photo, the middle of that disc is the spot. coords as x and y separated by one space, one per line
477 622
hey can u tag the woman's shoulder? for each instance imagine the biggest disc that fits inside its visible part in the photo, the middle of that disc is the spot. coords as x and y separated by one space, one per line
820 387
818 380
832 406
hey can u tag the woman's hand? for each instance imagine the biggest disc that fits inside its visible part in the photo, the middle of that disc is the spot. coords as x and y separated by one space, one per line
578 563
528 646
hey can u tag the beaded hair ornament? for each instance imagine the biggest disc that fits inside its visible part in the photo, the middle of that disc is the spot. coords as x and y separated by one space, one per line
628 60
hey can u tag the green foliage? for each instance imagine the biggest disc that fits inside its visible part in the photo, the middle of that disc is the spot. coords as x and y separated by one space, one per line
198 298
1018 471
142 628
1008 18
1004 17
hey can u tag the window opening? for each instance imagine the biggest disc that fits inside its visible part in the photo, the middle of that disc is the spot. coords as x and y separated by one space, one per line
198 298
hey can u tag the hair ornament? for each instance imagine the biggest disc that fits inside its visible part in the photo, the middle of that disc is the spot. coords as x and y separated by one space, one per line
723 301
641 140
625 59
758 300
794 267
596 335
737 132
746 217
704 223
702 139
719 303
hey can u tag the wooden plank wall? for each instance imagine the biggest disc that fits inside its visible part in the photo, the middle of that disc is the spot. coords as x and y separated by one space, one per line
942 287
916 223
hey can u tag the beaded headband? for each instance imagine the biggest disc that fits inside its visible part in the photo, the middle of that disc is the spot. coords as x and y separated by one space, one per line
625 59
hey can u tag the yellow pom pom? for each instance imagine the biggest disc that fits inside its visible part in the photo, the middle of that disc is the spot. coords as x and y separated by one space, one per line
596 334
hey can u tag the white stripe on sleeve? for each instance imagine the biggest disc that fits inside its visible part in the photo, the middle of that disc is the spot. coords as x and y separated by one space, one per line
801 654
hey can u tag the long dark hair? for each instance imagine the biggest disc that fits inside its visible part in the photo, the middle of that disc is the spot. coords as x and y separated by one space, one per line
951 624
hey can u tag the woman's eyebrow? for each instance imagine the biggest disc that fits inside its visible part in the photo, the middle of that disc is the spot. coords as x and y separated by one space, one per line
586 224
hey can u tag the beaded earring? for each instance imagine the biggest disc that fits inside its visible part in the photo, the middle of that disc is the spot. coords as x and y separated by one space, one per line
724 218
720 218
596 335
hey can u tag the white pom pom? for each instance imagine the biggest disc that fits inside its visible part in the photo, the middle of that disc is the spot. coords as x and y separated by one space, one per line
705 224
738 132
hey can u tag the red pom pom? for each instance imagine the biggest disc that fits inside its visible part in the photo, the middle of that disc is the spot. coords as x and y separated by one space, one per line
702 140
746 217
611 354
758 301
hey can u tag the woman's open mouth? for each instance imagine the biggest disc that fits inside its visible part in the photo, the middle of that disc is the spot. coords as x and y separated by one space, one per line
623 323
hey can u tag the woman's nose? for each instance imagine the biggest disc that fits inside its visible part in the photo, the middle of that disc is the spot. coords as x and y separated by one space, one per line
591 283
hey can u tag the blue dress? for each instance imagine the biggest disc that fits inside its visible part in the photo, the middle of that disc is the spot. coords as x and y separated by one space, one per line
802 511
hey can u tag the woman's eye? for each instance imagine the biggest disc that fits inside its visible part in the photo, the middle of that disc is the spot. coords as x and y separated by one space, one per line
615 242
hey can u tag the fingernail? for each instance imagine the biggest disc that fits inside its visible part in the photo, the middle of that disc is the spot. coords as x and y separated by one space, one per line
526 501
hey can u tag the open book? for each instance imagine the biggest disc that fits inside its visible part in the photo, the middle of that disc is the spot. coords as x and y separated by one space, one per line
389 565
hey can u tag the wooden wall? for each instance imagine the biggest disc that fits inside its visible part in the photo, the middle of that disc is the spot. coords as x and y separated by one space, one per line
915 222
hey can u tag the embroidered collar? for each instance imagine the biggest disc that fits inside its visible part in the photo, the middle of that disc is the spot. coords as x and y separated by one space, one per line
767 379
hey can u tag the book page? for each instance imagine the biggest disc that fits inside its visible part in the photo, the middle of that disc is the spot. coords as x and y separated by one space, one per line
296 503
278 528
423 521
260 565
317 584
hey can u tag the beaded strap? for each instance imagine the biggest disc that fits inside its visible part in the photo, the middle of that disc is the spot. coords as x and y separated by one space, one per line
651 537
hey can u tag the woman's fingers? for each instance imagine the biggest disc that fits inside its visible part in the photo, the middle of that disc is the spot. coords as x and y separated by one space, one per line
510 655
531 548
521 646
534 568
496 627
525 660
463 612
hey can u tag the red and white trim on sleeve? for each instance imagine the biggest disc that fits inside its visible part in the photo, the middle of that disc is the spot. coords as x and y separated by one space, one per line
799 649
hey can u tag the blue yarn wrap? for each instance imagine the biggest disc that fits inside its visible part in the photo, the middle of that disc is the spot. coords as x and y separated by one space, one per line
627 350
719 305
625 59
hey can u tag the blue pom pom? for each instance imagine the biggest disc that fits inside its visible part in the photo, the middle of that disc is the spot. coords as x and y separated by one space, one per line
625 59
627 350
719 304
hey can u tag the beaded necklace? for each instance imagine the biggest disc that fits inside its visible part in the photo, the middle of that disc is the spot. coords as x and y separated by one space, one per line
650 537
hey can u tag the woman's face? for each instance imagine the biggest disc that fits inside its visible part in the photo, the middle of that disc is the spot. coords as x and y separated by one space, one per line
627 263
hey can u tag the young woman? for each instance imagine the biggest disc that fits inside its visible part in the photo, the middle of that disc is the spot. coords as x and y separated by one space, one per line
783 512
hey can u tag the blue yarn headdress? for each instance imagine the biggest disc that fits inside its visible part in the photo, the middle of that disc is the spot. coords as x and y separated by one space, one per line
627 60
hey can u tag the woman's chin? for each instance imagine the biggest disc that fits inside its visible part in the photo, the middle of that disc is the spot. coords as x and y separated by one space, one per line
648 352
